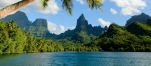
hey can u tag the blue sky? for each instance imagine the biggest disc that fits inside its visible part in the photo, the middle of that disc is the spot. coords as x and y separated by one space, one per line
117 11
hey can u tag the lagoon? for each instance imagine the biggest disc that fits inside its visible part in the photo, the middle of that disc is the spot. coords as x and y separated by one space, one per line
77 59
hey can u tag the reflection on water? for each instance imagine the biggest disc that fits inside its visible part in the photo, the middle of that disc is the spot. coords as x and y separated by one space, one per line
78 59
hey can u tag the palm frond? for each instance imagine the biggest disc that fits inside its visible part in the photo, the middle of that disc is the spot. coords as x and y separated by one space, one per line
44 3
95 4
67 5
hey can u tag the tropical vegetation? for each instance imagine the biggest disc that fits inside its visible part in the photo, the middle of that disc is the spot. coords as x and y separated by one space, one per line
15 40
134 37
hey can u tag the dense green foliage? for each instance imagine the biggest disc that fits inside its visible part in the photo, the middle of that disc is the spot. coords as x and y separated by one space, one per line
83 32
15 40
77 46
38 28
134 37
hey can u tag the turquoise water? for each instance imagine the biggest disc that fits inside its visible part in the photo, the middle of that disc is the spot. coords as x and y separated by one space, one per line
78 59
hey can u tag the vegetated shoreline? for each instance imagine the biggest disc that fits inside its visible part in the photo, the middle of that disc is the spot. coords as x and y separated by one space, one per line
74 51
13 40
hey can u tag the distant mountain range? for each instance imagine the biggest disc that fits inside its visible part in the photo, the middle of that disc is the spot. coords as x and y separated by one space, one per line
38 27
135 36
138 18
82 33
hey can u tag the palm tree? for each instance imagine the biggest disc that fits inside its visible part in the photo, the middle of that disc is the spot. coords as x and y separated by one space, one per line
13 7
66 4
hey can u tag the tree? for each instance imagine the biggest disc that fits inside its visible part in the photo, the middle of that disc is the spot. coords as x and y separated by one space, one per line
66 4
13 7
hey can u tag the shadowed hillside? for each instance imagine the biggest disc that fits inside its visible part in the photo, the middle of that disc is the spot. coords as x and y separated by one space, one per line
134 37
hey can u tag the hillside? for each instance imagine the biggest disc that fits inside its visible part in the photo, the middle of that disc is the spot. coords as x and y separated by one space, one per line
134 37
83 33
14 40
38 28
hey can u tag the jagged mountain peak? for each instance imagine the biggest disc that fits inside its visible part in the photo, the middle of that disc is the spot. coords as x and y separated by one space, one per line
81 21
82 16
143 13
83 32
20 12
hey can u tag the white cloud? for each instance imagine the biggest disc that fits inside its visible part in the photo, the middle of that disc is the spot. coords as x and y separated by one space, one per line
104 23
24 9
51 9
113 11
53 28
80 1
130 7
71 28
62 28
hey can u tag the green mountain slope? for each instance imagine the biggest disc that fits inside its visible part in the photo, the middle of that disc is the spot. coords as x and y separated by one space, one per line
83 33
15 40
38 28
134 37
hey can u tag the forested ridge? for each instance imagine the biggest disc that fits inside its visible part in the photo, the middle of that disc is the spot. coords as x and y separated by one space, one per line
15 40
82 33
134 37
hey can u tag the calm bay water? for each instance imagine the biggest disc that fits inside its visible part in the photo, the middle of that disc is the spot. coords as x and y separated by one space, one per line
78 59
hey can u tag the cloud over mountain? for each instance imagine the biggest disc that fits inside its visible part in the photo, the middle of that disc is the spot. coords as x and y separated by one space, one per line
104 23
53 28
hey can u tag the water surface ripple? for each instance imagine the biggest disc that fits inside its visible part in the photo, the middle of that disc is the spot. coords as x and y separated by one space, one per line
78 59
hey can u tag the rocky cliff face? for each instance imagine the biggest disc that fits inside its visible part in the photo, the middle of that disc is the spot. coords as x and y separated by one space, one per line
81 22
38 27
140 18
40 22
